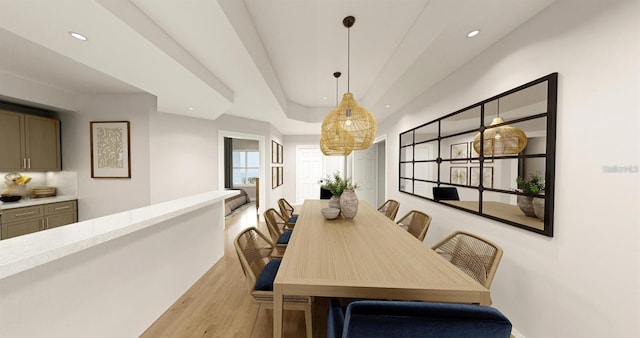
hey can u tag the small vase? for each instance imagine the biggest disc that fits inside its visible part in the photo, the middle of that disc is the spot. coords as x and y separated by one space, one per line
349 204
525 203
538 207
334 202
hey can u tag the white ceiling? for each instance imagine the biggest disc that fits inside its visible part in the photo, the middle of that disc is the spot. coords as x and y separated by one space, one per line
266 60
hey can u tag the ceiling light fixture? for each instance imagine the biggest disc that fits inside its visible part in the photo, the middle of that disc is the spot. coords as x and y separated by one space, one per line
78 36
473 33
349 115
387 106
500 138
335 141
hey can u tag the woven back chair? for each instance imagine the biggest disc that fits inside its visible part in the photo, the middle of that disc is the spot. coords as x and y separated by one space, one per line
476 256
279 235
253 249
416 223
286 211
390 209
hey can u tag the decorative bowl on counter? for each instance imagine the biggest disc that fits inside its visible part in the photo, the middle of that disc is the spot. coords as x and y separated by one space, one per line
10 198
43 192
330 213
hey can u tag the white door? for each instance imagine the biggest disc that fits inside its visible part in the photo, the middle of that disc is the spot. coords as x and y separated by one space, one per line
365 174
311 167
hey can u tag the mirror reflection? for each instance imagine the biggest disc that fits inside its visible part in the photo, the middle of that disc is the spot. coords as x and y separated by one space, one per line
497 156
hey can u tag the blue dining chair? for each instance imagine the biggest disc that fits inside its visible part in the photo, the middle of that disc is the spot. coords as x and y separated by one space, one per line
369 318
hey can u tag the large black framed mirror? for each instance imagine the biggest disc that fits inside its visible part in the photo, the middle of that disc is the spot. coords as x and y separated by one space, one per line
471 159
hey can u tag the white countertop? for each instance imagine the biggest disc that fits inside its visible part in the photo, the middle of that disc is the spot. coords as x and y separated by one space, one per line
21 253
35 201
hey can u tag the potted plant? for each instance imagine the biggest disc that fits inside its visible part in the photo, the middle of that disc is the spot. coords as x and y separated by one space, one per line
530 187
337 185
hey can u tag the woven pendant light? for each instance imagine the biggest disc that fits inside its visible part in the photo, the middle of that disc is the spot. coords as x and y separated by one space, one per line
349 117
501 140
334 140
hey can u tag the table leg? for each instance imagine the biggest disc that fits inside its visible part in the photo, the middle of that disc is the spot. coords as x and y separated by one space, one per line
278 299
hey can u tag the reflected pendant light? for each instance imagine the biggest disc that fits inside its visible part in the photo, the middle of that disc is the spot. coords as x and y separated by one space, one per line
349 115
501 138
334 140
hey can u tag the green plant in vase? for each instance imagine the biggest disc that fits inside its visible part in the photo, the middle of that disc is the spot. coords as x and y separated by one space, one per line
337 185
530 188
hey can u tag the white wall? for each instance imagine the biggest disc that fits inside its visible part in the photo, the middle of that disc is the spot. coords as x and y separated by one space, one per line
584 281
104 196
183 155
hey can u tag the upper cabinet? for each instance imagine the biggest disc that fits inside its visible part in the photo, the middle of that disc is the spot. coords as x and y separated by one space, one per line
29 142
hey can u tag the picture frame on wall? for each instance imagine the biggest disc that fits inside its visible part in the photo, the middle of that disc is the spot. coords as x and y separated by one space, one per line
274 177
280 175
459 152
280 154
274 152
458 175
110 149
487 177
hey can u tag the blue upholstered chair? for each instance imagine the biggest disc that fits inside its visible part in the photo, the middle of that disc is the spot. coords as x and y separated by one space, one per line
415 319
445 194
280 235
254 252
325 194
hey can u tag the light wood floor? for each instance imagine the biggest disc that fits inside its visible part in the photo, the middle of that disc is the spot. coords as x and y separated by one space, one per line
219 304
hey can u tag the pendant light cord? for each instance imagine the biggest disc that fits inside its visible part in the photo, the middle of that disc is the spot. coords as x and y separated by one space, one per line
348 58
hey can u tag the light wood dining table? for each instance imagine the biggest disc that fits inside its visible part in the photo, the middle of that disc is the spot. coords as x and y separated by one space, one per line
368 256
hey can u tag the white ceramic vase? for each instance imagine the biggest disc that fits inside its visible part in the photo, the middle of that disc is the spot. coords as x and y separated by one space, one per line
349 203
538 207
334 201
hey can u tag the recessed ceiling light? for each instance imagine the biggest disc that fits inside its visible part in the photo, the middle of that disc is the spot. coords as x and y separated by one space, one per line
78 36
387 106
190 108
473 33
324 97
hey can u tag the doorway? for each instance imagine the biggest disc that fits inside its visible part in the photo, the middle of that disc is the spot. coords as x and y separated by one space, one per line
311 168
244 141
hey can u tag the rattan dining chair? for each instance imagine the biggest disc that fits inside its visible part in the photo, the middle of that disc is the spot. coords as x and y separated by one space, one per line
280 235
390 209
416 223
286 211
253 249
476 256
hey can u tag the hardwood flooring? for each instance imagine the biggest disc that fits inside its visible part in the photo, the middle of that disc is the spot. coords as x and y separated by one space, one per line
219 303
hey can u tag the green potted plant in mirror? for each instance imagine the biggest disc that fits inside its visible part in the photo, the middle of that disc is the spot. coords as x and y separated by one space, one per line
531 188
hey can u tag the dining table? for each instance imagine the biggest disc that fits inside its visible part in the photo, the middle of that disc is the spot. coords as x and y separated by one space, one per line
368 256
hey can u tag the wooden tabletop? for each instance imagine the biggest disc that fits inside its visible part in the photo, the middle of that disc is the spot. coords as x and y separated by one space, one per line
366 257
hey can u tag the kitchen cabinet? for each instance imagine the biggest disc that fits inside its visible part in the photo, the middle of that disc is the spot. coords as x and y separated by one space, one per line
26 220
29 142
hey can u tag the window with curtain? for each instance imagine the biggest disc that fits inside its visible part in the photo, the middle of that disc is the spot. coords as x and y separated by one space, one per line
246 167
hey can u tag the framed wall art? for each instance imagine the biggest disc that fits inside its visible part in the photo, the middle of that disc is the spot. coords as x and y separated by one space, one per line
487 177
458 175
274 152
274 177
110 149
459 152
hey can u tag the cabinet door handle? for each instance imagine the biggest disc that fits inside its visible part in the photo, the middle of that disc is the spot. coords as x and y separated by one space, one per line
24 162
29 163
62 208
24 214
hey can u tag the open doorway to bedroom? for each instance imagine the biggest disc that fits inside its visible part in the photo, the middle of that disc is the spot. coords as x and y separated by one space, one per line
241 158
